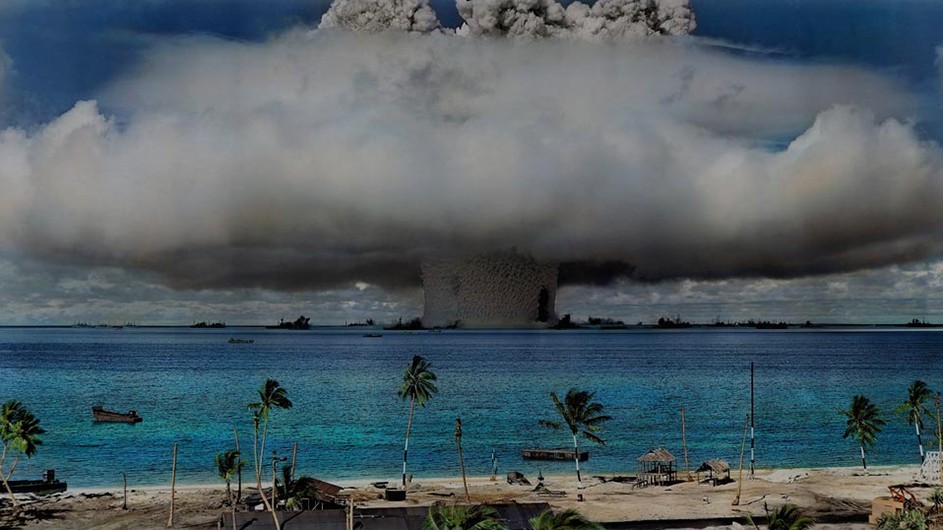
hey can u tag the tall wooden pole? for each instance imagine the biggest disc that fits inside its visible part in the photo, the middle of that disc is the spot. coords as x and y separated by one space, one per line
743 446
939 435
752 417
684 444
173 483
294 458
124 505
461 461
494 465
238 466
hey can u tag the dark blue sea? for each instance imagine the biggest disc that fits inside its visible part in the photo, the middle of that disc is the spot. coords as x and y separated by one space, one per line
192 387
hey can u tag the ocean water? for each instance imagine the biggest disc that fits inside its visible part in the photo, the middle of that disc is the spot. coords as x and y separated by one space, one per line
192 387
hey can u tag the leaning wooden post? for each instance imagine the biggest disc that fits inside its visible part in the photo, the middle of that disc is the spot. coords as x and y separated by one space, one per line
124 505
173 480
461 461
743 448
752 420
939 436
684 444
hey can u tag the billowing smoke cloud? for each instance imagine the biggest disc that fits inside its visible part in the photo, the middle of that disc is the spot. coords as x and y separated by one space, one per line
5 65
381 15
317 159
604 20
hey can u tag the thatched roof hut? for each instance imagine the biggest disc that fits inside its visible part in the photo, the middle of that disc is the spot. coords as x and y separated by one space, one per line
715 469
715 466
657 466
657 455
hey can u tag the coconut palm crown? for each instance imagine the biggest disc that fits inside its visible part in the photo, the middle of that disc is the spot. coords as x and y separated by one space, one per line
582 416
418 387
914 407
271 396
19 433
418 381
863 423
227 464
457 517
568 519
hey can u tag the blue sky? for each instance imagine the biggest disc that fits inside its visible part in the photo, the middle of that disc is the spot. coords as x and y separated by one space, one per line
62 52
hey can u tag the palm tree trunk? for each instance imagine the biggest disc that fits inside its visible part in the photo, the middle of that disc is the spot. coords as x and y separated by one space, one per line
576 458
7 477
919 440
3 458
256 457
461 461
255 451
238 466
864 463
409 424
232 504
265 501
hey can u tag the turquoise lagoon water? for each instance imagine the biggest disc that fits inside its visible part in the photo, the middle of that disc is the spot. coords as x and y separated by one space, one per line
192 388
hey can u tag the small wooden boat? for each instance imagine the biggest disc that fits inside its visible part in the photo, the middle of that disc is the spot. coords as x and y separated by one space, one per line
106 416
372 335
233 340
49 484
553 454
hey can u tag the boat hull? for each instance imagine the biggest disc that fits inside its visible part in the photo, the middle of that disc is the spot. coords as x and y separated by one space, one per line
100 415
39 487
553 454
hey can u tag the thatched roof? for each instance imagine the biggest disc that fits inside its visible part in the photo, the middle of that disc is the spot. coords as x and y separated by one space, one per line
716 466
657 455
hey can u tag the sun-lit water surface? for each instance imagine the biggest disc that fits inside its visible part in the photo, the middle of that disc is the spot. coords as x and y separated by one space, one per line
192 388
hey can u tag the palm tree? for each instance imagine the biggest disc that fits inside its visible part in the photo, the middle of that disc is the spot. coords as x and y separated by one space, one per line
582 416
936 497
786 517
568 519
903 520
457 517
227 464
271 396
418 387
19 433
914 408
863 423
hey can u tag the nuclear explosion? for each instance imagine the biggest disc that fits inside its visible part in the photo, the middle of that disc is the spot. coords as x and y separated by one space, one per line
494 290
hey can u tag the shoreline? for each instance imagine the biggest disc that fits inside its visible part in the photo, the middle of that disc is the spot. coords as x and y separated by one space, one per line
832 496
768 473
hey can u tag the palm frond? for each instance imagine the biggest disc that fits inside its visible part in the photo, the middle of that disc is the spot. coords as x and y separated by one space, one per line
457 517
418 381
568 519
19 429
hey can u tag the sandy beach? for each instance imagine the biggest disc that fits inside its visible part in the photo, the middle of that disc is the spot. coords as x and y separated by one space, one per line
835 497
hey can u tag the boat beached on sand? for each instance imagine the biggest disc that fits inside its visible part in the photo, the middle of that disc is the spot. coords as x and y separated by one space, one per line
48 484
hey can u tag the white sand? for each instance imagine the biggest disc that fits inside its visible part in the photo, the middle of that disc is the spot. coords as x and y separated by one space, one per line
820 492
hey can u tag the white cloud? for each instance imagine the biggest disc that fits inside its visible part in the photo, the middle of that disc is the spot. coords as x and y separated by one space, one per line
316 160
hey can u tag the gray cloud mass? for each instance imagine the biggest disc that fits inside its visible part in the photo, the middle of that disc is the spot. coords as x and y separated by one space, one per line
321 158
